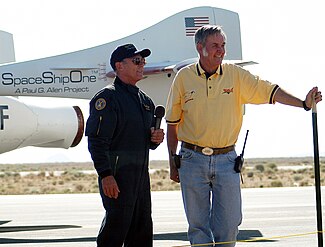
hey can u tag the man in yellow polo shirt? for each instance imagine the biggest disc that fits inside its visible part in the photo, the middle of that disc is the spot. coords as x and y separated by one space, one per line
205 112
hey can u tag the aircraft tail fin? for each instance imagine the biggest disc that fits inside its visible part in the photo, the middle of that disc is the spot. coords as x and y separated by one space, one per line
7 50
172 39
176 34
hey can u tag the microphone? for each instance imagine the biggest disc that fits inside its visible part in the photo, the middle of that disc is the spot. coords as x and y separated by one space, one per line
159 114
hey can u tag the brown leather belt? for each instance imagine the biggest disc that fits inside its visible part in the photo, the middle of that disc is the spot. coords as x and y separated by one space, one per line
208 150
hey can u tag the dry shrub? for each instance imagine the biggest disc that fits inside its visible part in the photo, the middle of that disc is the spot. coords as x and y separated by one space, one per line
257 173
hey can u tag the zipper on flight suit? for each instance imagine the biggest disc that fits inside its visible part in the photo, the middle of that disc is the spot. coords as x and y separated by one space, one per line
115 167
99 124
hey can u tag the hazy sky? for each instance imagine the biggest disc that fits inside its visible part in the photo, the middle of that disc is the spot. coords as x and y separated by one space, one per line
284 37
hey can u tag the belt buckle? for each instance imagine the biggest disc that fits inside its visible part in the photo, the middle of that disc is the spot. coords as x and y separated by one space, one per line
207 151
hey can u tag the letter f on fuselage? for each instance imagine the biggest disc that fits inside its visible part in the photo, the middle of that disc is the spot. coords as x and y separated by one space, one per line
3 116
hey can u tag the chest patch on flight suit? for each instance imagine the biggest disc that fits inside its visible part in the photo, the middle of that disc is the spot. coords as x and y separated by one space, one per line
100 104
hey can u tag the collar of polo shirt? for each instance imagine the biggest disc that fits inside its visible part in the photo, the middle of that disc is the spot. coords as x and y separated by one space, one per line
200 71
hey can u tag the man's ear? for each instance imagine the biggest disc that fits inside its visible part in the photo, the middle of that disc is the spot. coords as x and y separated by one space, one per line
118 65
199 48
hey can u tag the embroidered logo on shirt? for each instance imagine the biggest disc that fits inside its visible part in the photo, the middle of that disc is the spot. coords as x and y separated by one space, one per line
189 96
228 90
146 107
100 104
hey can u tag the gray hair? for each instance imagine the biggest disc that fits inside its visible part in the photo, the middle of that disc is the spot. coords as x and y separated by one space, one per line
203 32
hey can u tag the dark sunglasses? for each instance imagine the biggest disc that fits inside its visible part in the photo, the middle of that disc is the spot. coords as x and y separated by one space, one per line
139 61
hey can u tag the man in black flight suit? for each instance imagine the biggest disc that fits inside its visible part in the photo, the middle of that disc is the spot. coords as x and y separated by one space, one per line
120 133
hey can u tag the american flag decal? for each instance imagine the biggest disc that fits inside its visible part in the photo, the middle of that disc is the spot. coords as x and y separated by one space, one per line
193 23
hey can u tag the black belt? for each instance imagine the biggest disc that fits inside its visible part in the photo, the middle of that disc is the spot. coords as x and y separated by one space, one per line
208 150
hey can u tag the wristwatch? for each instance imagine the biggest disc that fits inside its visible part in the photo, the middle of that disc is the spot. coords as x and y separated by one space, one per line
305 106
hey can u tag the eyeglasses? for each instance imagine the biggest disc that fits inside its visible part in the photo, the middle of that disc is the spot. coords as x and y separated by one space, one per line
139 61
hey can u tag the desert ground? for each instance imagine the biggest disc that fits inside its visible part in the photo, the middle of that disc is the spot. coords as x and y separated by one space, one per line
60 178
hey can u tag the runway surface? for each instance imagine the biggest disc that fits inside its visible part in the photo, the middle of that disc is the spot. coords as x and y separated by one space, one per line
286 217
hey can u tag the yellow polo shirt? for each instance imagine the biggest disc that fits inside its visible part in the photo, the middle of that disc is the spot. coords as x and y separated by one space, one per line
209 112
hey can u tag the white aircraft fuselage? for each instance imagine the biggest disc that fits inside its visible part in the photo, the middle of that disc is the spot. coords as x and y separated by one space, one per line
81 74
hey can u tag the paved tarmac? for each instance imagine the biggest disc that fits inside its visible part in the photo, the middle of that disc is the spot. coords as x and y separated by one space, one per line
286 217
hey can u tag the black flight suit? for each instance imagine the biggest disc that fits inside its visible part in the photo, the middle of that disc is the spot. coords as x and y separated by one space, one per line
118 131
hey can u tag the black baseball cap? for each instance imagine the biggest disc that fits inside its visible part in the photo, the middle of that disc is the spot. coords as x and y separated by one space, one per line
126 51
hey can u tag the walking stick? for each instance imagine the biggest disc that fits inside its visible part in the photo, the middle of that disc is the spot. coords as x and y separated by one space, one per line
317 177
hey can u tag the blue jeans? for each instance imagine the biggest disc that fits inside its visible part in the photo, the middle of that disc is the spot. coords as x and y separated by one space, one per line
211 197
